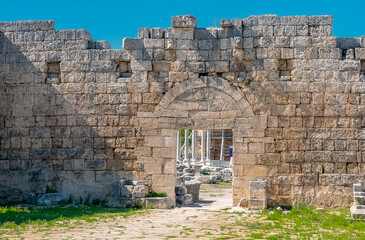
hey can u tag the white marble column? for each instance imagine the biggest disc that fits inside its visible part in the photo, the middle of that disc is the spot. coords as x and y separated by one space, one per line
207 161
202 144
186 158
178 146
193 147
222 149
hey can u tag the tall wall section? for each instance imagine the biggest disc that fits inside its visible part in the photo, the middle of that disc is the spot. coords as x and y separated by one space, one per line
75 115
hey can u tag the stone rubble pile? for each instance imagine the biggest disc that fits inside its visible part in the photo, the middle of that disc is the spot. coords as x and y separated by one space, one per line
127 193
189 179
205 174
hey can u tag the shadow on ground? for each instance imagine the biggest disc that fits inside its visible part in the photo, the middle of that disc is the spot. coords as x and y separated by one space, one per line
199 204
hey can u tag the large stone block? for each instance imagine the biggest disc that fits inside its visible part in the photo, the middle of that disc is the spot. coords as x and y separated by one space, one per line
49 199
269 20
360 53
158 202
38 25
192 188
132 43
294 20
321 20
186 21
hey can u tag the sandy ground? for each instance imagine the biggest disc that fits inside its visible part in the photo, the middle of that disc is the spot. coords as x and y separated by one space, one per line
202 220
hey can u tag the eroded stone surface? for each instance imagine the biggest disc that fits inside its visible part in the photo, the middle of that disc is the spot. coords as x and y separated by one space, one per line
76 116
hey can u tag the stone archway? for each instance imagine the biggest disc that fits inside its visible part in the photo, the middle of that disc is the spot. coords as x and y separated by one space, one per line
204 103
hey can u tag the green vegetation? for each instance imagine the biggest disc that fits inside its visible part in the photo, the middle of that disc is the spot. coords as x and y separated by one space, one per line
302 222
50 190
155 194
16 220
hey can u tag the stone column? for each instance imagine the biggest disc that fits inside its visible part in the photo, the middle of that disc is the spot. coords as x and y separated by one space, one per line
193 147
222 149
207 161
202 144
178 146
186 158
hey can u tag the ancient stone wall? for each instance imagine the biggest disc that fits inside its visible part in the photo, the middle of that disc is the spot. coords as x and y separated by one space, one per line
75 115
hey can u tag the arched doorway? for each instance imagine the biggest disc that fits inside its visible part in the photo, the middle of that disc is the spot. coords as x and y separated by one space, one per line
206 103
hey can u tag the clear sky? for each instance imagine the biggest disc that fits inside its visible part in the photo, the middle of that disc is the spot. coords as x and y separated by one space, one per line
114 20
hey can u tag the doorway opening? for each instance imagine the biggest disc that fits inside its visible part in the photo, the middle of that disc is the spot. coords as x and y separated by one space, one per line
204 167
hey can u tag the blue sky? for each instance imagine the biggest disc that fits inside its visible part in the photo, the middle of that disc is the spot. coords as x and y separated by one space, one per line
114 20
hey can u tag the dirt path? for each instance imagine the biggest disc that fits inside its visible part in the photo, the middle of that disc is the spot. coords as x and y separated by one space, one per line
201 220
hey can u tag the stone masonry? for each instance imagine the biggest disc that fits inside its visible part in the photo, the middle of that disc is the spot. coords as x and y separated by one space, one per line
76 116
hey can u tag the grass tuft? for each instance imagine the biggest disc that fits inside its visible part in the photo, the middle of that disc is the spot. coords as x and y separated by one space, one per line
155 194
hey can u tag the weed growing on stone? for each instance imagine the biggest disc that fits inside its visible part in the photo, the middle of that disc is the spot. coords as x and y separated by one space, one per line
155 194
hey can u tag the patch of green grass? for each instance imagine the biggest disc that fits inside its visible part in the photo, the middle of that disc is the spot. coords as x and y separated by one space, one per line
304 222
50 190
257 235
155 194
17 219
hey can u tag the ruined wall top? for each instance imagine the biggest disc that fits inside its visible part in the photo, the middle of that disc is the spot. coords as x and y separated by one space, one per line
27 26
185 27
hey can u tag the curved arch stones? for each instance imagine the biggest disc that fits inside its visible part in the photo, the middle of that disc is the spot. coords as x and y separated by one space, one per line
213 82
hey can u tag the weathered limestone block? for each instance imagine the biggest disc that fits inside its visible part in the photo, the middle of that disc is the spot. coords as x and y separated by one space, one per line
225 23
360 53
184 199
217 66
181 191
132 43
49 199
258 194
321 20
158 202
294 20
357 211
40 25
205 33
157 33
193 187
144 33
269 20
186 21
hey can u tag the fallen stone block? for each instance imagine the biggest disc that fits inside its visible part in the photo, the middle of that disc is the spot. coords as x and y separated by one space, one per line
49 199
204 179
193 188
158 202
357 211
140 191
180 181
180 191
185 199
